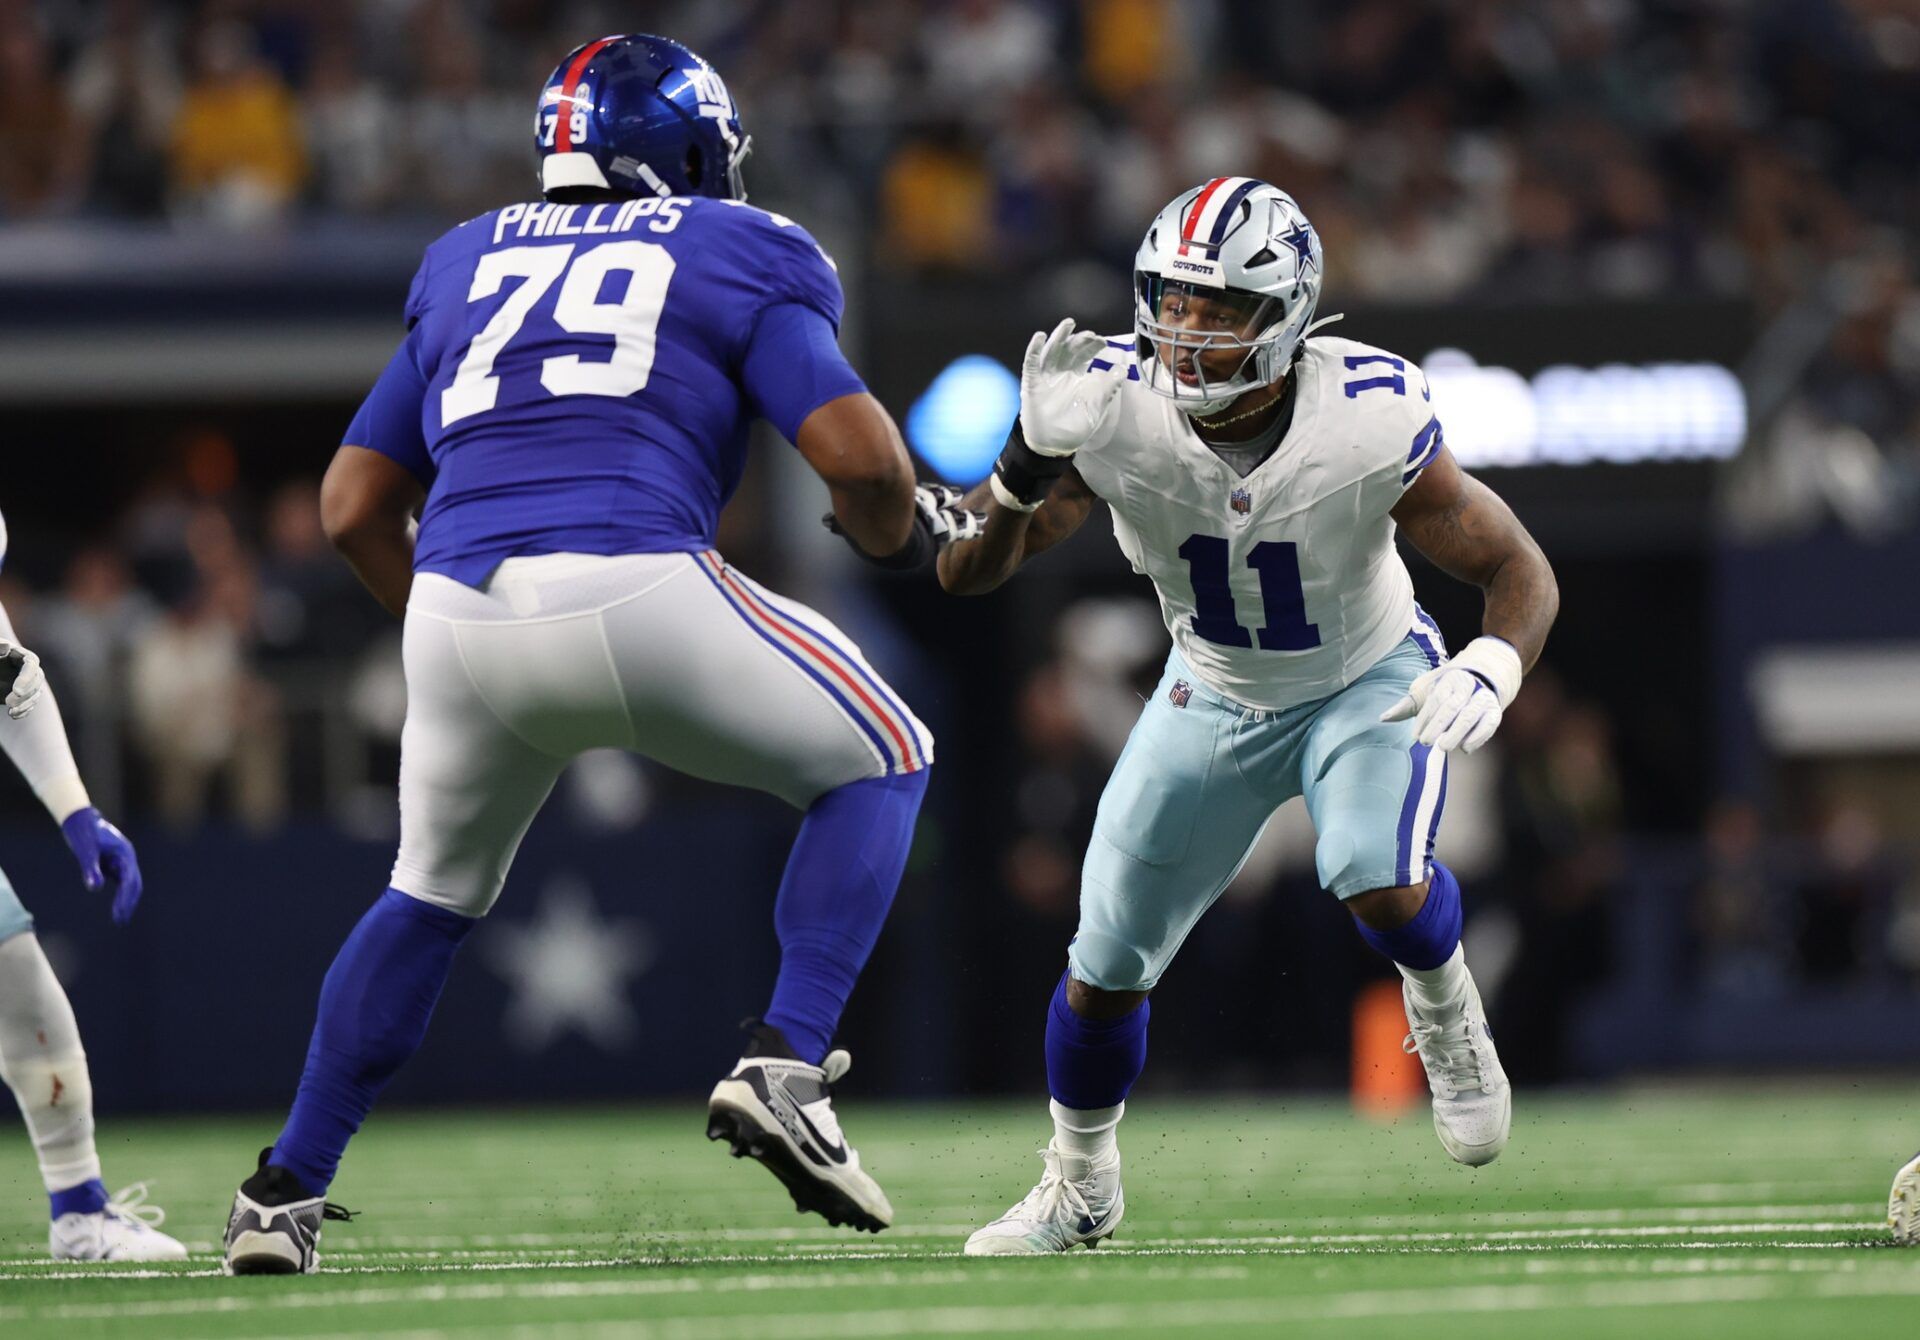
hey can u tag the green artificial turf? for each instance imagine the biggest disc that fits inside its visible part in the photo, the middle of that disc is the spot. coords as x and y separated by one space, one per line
1740 1213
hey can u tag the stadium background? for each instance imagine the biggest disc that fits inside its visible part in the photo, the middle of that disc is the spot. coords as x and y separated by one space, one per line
1691 849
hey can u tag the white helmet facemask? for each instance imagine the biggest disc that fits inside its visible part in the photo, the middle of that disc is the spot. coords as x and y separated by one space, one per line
1231 265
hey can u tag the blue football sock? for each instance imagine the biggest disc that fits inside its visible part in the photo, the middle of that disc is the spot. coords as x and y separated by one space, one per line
1092 1063
1434 933
88 1198
374 1007
841 877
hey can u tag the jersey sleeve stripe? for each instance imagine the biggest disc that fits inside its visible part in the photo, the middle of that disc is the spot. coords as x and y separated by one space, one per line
902 757
1426 445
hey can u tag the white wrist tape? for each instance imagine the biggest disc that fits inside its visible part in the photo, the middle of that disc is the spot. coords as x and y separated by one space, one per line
1004 496
1494 660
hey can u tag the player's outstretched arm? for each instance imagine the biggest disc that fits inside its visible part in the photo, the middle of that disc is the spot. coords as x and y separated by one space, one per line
1035 498
34 736
853 444
1461 525
1469 533
1012 536
367 501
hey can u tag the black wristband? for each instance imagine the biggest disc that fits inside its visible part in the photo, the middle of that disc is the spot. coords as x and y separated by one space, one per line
1024 472
917 552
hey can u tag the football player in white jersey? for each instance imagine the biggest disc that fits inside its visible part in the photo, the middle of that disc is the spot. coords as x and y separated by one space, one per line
1903 1205
1258 477
41 1059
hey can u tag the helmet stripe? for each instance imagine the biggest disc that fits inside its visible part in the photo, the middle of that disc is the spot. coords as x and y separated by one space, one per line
1195 210
1211 206
1224 215
563 130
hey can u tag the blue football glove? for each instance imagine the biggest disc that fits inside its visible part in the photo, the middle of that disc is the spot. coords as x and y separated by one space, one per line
106 859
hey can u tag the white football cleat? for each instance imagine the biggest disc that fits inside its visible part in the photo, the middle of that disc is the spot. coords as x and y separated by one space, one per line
128 1229
1077 1203
1903 1205
778 1109
1472 1101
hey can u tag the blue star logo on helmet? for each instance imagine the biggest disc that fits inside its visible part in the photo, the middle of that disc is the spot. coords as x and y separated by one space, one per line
1300 238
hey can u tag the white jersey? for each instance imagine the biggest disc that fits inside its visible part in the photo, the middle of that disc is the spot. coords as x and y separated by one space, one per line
1285 586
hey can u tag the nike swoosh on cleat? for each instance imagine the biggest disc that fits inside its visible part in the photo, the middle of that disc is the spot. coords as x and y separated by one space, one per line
838 1153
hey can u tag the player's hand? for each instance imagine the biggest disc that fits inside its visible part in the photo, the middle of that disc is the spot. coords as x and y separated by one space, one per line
20 677
1061 407
107 860
1459 704
940 518
942 509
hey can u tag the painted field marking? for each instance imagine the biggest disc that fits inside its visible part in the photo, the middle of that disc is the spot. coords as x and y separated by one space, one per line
1210 1314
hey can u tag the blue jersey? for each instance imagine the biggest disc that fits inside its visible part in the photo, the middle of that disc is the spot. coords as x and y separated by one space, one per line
580 378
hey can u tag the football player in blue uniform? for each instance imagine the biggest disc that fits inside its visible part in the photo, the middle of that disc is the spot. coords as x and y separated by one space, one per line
572 402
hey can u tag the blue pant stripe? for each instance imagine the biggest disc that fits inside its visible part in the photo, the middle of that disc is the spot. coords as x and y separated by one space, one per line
916 748
866 727
1409 807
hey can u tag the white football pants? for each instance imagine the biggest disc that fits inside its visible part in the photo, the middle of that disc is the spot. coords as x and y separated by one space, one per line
674 656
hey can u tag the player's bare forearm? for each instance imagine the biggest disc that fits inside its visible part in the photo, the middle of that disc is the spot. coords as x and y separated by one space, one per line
974 567
854 446
1468 532
366 506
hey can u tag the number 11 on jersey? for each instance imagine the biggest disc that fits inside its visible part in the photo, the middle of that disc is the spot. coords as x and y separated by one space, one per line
1283 600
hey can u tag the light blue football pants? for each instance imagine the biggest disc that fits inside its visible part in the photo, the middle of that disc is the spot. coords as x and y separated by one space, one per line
13 917
1199 779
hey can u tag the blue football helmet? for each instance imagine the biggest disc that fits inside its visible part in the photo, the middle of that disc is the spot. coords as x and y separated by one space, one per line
640 115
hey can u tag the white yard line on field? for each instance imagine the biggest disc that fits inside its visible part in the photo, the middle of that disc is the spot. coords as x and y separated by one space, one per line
1190 1248
1209 1315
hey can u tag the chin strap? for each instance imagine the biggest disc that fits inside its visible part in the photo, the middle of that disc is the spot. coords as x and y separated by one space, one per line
1323 321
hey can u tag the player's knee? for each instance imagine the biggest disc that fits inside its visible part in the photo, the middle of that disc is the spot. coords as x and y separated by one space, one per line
1109 963
895 789
1352 860
449 890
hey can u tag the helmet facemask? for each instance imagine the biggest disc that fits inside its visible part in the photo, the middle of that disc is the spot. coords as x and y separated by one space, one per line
1204 347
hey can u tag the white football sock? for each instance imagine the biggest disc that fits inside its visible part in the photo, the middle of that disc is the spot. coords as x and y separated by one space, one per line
1438 988
43 1063
1086 1132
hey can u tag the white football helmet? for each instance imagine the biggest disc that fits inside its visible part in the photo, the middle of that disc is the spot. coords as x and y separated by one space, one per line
1247 247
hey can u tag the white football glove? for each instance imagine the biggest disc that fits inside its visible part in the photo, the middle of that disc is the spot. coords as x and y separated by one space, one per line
21 678
1061 407
1459 704
943 511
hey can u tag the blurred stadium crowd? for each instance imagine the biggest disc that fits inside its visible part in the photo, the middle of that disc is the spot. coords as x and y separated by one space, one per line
1582 147
217 659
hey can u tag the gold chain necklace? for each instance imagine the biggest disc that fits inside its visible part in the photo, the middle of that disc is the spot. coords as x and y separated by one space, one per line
1244 414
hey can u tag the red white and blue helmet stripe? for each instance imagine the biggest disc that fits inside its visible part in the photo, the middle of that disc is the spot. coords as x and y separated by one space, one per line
1209 219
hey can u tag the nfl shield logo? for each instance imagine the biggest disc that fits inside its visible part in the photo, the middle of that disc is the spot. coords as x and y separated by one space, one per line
1179 693
1241 501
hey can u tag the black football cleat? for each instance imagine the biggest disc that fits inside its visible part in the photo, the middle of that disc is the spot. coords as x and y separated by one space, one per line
778 1109
274 1227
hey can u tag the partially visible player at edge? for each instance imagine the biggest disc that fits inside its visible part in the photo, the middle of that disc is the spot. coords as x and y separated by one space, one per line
572 402
41 1058
1258 478
1903 1205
